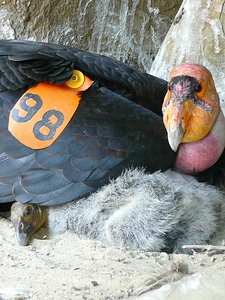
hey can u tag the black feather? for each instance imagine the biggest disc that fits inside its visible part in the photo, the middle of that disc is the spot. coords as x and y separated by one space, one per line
113 128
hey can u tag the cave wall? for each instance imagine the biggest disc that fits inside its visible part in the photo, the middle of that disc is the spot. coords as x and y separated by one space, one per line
197 36
129 30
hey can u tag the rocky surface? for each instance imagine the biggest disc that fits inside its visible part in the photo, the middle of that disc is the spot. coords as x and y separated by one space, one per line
197 35
130 31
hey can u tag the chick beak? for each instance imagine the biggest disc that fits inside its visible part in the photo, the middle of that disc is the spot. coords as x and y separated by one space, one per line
23 233
175 129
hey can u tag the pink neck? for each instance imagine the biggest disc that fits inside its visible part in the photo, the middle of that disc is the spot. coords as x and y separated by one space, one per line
199 156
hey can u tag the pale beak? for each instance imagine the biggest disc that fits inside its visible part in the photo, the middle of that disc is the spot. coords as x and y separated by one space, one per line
23 233
175 135
175 129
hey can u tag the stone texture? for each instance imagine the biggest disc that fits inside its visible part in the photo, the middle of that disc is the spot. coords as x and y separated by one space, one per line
207 286
130 30
197 35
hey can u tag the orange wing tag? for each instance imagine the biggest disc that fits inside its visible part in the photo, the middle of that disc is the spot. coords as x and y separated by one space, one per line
43 111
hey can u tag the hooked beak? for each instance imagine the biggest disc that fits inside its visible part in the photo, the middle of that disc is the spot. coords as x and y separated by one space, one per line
23 233
175 135
173 122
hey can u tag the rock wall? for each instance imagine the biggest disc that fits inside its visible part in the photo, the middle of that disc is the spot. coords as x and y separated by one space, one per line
197 35
130 30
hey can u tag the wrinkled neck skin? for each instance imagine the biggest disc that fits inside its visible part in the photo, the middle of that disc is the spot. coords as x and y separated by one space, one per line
198 156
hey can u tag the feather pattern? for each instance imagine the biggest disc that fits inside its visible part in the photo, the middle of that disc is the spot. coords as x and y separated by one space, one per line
114 127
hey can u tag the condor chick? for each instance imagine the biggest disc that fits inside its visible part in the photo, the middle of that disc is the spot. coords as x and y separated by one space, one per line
150 212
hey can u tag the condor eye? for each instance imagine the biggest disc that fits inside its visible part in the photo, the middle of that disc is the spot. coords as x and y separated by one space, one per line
168 86
29 211
198 88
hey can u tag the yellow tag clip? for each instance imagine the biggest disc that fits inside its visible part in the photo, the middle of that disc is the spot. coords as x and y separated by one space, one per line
43 111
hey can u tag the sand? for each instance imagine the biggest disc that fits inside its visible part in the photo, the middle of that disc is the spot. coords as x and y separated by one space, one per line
67 267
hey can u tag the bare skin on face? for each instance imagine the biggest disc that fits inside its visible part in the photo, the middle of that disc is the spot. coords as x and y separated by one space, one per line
193 118
191 104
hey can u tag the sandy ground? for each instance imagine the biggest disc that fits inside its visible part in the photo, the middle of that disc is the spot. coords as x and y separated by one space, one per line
66 267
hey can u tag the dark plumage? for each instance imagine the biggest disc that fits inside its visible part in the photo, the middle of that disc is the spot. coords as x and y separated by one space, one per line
118 125
113 128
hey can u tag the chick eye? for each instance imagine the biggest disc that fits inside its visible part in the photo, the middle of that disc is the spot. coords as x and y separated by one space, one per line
198 88
29 211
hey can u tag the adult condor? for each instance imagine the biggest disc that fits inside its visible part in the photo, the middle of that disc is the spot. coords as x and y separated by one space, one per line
71 121
52 151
